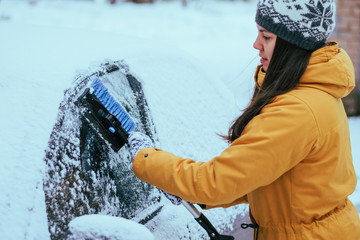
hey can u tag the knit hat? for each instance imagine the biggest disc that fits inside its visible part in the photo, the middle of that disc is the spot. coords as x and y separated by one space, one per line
304 23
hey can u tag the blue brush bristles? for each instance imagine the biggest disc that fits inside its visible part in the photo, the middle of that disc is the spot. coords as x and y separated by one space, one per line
112 105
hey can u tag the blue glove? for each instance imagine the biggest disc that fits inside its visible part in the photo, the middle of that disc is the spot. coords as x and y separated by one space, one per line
138 141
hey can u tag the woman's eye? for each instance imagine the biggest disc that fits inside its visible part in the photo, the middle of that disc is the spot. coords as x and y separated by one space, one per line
266 38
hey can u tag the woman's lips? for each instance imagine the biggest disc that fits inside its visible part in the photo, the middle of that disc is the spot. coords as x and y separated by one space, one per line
263 60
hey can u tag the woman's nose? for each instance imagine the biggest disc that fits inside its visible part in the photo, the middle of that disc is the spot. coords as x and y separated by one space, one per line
257 44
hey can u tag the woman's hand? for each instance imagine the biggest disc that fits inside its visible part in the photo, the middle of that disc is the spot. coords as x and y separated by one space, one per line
173 199
138 141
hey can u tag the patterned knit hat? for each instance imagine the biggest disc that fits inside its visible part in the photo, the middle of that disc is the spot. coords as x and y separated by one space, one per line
304 23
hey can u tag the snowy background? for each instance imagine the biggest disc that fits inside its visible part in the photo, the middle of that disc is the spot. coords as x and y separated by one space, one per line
196 64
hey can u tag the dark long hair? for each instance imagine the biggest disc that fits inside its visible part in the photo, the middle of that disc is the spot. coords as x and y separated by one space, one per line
287 65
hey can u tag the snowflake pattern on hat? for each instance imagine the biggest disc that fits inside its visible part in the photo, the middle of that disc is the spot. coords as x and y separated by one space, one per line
305 23
319 16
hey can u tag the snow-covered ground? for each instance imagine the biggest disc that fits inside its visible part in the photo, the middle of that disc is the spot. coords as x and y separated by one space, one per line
206 46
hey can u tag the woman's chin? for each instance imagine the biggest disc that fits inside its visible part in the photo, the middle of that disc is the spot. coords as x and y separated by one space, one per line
264 68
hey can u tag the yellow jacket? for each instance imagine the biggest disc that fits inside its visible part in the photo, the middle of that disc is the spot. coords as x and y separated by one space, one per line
292 163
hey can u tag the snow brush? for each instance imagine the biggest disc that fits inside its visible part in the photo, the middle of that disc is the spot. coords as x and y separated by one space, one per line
115 124
198 216
205 223
108 116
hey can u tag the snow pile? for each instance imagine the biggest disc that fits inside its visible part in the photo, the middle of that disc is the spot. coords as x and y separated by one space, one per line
98 227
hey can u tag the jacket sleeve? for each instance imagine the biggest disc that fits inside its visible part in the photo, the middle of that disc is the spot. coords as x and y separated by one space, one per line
273 142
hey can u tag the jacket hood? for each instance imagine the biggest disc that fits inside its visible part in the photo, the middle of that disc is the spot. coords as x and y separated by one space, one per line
330 70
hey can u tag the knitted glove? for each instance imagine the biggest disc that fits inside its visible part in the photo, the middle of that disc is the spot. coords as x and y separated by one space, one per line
173 199
138 141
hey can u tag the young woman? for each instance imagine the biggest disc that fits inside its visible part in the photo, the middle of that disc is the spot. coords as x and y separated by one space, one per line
290 155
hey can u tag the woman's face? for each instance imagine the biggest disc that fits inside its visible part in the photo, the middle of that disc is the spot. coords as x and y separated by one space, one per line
265 43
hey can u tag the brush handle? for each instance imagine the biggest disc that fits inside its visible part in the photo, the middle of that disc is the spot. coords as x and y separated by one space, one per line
205 223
